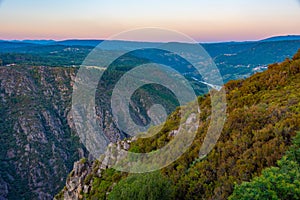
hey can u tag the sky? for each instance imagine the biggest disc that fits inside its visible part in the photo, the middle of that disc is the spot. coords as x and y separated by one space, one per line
203 20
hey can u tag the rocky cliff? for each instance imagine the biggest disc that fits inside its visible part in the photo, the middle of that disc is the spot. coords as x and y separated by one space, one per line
81 179
39 143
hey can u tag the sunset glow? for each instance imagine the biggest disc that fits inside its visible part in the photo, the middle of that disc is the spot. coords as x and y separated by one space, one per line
205 21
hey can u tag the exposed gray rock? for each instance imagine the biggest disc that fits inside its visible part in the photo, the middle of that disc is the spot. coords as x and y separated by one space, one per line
39 144
77 182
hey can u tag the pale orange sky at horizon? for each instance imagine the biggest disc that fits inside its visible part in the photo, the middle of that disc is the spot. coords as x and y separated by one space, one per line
205 21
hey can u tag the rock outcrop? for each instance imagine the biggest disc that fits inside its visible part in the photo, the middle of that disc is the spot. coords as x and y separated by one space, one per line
80 180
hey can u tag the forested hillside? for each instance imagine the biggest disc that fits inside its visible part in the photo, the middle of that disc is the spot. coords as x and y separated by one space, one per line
282 182
263 117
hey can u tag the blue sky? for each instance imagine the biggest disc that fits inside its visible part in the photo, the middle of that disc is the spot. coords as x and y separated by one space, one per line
204 20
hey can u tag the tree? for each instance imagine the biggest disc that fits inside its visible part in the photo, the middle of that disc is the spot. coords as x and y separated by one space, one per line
282 182
150 186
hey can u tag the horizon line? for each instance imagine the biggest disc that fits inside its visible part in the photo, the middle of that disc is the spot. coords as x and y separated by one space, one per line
100 39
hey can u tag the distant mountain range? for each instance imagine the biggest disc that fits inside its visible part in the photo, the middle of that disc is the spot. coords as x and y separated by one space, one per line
282 38
235 60
95 42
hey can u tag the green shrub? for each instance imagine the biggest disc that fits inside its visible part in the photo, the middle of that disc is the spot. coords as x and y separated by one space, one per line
282 182
150 186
